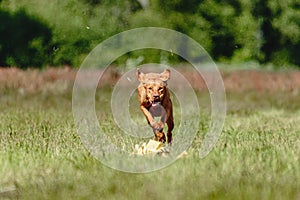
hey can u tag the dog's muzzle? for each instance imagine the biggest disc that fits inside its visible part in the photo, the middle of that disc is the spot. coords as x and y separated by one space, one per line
155 103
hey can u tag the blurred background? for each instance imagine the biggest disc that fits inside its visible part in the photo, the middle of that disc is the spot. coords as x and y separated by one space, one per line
255 43
36 33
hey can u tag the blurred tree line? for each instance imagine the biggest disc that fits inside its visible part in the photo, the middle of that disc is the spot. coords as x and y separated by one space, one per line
36 33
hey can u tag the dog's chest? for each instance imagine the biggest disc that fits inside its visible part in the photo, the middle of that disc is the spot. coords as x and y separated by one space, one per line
156 111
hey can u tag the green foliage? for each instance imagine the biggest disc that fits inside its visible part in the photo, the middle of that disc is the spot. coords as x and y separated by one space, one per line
280 30
221 32
246 34
21 46
232 30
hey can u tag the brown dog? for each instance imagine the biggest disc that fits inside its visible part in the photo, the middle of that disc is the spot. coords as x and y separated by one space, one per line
155 101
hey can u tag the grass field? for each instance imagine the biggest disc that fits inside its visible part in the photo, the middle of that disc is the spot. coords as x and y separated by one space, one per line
257 155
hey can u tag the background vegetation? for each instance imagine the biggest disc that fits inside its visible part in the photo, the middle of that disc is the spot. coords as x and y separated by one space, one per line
257 155
38 33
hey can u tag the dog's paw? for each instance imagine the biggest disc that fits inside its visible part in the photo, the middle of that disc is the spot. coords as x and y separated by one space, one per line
157 126
160 136
160 126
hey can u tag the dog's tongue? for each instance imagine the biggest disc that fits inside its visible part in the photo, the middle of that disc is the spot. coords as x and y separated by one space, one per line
155 103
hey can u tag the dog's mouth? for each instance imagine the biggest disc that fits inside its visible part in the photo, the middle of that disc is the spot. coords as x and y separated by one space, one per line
155 103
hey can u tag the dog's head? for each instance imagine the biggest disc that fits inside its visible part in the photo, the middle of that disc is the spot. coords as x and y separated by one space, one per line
155 85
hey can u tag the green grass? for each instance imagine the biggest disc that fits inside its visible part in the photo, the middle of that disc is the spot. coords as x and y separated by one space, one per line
256 157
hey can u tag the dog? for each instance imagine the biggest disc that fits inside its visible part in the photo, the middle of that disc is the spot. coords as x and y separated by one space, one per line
154 98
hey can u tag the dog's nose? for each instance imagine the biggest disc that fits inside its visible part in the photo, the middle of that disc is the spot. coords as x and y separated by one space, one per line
156 96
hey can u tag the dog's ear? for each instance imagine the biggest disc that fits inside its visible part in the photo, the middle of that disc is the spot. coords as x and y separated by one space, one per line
165 75
140 75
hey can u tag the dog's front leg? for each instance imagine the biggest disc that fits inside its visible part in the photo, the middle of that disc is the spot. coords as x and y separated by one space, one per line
159 131
156 127
149 117
162 120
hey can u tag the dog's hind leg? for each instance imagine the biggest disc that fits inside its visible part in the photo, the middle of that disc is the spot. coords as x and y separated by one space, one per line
170 123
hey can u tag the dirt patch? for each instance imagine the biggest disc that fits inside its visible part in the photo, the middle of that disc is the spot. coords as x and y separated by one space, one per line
262 81
33 80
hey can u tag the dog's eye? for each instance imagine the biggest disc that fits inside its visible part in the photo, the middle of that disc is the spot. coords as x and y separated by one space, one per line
161 88
149 88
